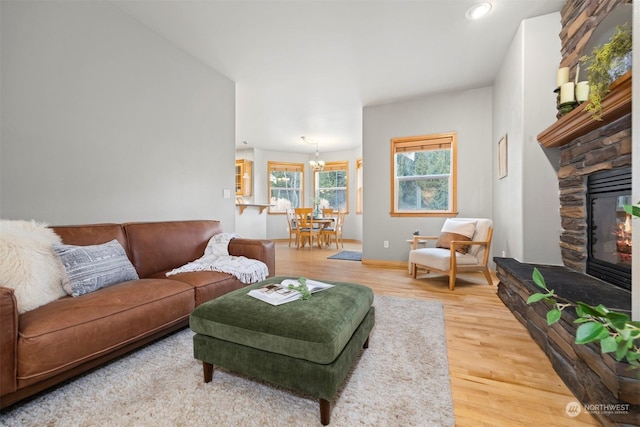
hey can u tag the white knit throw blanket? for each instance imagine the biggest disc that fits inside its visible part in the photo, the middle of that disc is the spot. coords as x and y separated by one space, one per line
216 258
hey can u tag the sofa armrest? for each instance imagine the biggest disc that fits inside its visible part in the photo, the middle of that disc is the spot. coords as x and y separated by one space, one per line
8 341
262 250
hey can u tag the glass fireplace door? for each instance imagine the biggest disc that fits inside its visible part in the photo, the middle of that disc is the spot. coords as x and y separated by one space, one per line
609 228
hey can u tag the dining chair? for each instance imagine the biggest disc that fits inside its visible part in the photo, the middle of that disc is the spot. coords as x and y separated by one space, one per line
292 223
328 213
462 246
335 230
304 219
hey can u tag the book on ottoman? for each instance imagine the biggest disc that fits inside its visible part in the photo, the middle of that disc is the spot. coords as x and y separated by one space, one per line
280 293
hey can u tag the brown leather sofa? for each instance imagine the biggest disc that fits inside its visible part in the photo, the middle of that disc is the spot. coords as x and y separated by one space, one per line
54 342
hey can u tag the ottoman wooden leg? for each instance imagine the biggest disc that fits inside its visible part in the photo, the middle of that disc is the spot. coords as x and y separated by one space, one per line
207 368
325 412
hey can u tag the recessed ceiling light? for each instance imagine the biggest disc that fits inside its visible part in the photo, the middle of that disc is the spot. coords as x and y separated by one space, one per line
478 10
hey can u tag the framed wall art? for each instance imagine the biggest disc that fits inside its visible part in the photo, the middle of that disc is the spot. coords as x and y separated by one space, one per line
502 157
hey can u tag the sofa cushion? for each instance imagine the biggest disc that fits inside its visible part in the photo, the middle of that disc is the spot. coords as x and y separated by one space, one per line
28 263
207 285
91 234
92 267
163 246
439 258
70 331
481 234
456 230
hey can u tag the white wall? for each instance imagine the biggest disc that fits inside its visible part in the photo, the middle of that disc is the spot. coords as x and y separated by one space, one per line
104 120
541 201
252 223
526 202
466 112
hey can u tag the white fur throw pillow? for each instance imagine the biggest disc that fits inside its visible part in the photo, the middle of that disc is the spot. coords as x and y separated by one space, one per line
28 263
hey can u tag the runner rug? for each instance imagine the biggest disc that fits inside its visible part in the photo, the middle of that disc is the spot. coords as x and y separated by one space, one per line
347 255
402 379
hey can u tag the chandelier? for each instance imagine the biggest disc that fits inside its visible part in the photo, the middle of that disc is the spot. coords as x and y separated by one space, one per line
316 165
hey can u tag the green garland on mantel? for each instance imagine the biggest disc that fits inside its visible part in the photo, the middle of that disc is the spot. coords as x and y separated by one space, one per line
604 64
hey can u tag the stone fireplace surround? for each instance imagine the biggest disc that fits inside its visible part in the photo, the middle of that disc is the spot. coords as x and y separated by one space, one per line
594 378
606 148
586 147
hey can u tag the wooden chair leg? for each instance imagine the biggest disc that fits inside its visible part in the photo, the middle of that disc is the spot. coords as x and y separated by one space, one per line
325 412
452 280
487 274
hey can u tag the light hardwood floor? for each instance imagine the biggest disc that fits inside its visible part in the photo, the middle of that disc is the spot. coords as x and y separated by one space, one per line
499 375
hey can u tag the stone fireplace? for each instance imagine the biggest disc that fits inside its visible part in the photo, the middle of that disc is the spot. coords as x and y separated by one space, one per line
606 149
589 150
594 156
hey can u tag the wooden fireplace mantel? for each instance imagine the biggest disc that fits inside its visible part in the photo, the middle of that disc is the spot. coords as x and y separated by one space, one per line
578 122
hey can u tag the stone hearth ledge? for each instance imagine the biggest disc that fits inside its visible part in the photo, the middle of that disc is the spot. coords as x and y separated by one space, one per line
594 378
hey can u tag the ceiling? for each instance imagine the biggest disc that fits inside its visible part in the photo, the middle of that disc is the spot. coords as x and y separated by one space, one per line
305 67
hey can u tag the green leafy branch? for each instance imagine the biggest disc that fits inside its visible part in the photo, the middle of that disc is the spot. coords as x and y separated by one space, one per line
632 210
601 62
302 288
615 332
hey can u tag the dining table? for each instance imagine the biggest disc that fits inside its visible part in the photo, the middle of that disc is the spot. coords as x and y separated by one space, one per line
321 223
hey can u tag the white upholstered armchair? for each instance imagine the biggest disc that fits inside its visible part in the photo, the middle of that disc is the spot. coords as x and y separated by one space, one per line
463 246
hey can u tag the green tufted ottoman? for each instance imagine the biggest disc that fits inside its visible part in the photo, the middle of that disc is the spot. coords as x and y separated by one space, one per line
308 346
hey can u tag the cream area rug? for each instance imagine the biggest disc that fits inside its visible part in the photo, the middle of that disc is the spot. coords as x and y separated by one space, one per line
402 379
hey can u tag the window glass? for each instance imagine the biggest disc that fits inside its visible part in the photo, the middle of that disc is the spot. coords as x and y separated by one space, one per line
331 189
285 186
423 174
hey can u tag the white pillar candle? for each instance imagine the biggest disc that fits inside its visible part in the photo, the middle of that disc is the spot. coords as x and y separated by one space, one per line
582 91
567 93
563 76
